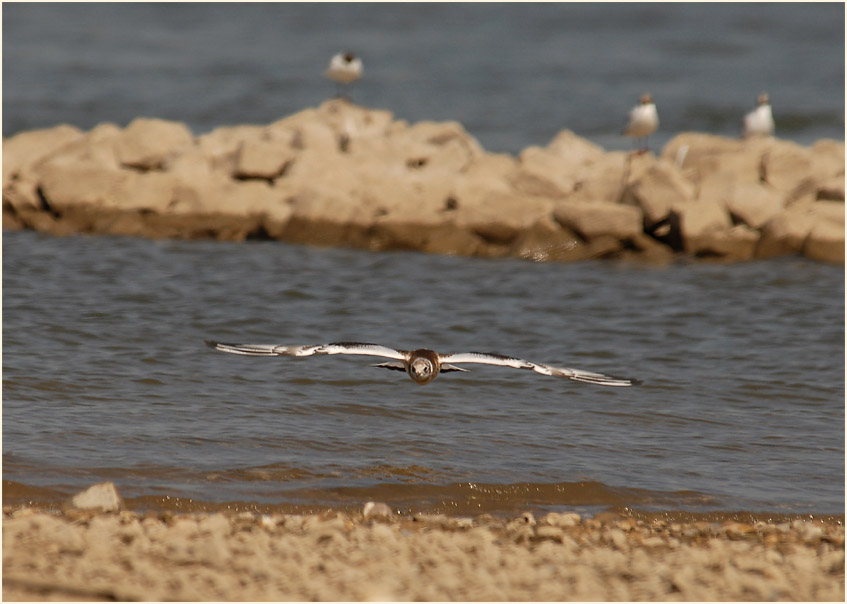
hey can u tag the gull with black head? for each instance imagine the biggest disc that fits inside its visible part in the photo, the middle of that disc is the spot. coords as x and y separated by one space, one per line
422 365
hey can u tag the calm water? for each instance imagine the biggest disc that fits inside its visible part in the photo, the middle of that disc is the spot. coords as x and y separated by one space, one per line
105 376
512 74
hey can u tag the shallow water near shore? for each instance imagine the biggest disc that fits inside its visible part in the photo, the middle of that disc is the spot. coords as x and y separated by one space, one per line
105 377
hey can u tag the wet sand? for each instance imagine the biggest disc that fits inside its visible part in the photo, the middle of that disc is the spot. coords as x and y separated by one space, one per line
49 554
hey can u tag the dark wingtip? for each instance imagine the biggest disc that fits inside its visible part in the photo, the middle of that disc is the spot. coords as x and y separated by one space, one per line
211 343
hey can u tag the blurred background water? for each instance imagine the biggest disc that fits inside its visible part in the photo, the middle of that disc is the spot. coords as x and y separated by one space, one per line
105 376
513 74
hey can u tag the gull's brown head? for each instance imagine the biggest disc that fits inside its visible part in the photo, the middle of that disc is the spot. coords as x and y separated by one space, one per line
423 366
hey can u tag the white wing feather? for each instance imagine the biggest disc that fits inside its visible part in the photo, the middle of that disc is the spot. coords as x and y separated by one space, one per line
274 350
486 358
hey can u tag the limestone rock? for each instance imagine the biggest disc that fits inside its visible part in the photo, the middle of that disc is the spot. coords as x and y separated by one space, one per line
661 189
786 232
64 186
828 159
592 220
700 156
542 173
574 150
546 241
262 159
753 204
737 243
605 179
785 164
831 188
825 242
147 143
220 146
500 218
103 496
699 222
27 148
375 509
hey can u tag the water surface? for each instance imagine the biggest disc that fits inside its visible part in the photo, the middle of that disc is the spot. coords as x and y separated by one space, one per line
105 377
514 74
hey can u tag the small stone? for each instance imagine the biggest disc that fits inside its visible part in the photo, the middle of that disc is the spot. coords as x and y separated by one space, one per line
103 496
375 509
562 520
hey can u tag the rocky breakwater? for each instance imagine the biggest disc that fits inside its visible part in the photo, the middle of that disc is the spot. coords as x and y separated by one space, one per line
345 175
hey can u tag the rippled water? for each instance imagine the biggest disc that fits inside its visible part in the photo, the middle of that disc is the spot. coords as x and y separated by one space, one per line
514 74
105 377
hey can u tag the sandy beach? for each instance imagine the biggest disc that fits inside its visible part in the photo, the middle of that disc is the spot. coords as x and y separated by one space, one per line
84 555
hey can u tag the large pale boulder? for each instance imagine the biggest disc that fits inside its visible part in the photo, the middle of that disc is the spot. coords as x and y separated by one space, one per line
500 218
593 220
147 143
262 159
574 150
661 189
786 164
27 148
700 222
604 179
441 133
702 156
828 159
66 185
753 204
737 243
95 148
485 175
231 198
546 240
831 188
220 146
556 170
825 242
542 173
786 232
353 125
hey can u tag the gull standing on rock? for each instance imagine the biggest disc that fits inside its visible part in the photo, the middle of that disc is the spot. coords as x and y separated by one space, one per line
422 365
344 69
643 120
759 122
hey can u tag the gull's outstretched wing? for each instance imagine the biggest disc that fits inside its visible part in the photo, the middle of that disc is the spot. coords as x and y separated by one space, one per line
490 358
275 350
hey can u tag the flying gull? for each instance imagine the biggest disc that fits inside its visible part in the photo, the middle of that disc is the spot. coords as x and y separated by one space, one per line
422 365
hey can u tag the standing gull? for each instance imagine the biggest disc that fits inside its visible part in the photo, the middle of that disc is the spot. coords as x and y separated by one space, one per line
422 365
643 120
759 122
344 69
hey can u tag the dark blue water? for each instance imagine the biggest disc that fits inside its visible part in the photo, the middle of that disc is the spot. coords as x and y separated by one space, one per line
513 74
105 377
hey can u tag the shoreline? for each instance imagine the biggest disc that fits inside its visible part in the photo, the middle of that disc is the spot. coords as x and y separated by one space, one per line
341 175
365 555
427 499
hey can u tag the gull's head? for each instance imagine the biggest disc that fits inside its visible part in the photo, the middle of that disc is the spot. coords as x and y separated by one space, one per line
646 98
421 369
423 366
349 57
763 99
